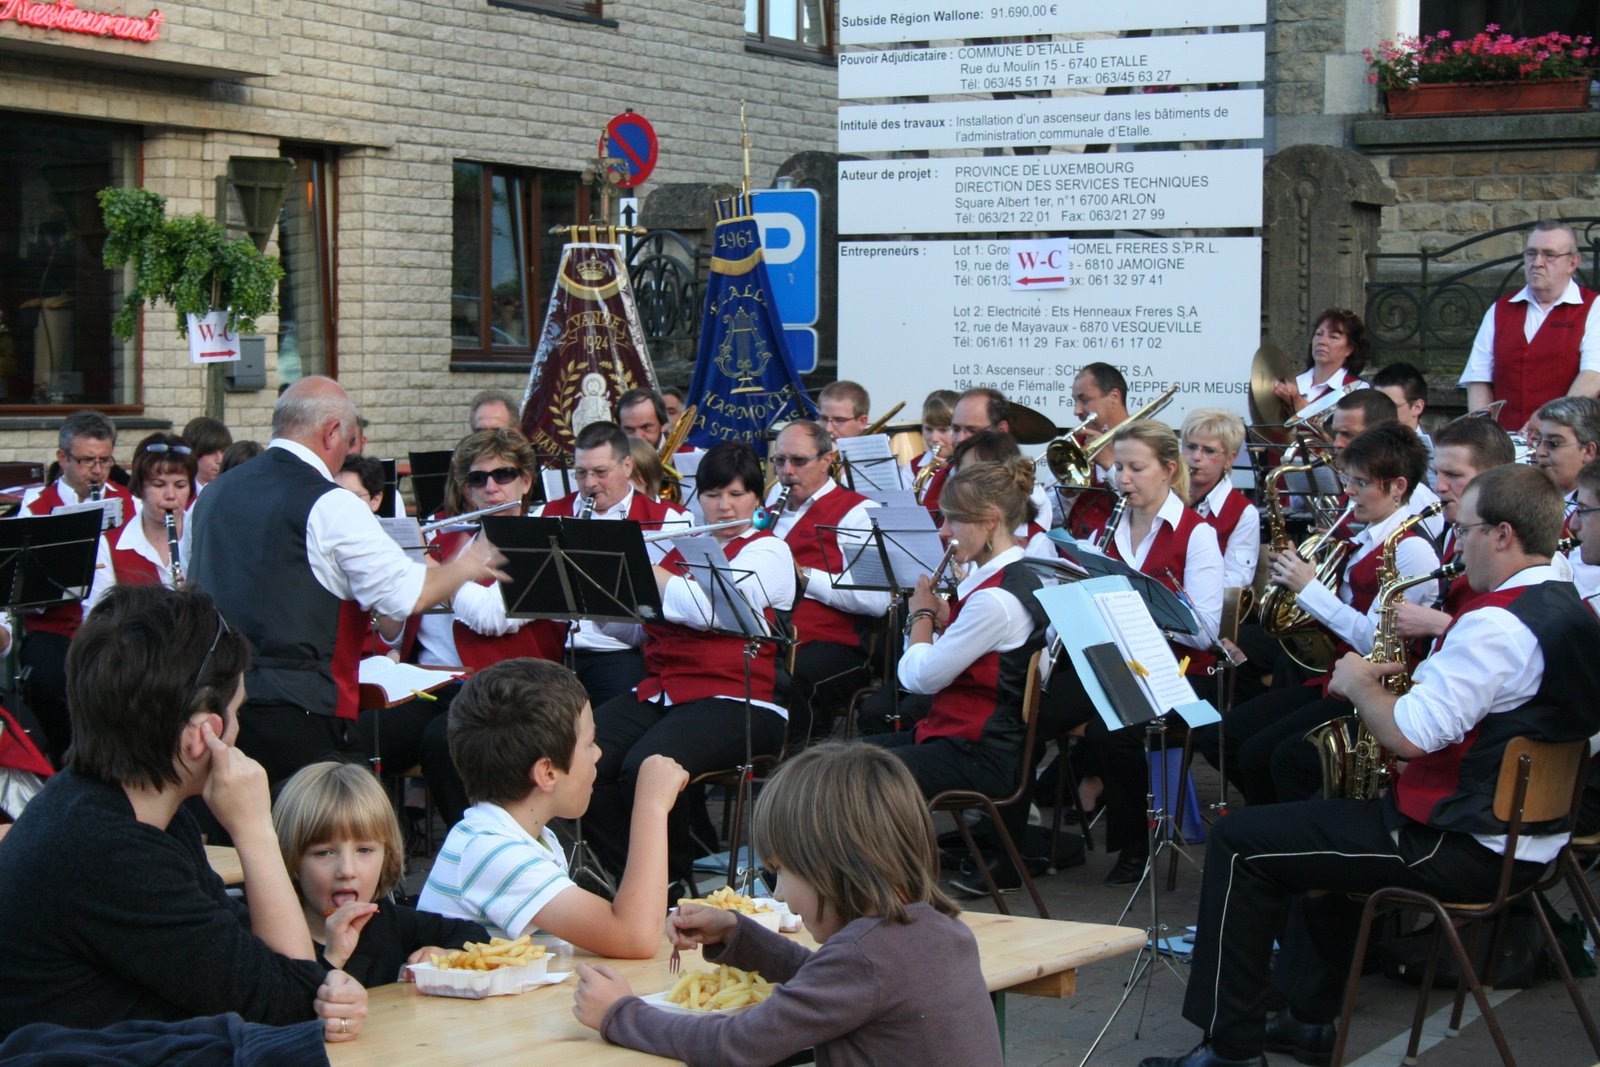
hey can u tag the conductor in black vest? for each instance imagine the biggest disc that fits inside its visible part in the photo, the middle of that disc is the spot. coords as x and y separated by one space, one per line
1518 661
301 568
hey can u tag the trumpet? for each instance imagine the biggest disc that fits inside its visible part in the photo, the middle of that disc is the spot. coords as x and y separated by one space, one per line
1103 542
1071 461
174 564
763 519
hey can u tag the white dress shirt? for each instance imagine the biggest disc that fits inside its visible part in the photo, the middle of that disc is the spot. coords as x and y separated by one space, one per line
1202 566
1414 555
1243 550
350 555
990 620
854 529
1480 363
105 574
1490 663
590 637
1337 380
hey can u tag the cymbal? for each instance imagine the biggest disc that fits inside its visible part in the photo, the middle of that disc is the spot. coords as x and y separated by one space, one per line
1271 364
1031 428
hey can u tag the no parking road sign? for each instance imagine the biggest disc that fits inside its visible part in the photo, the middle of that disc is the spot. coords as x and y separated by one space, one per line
630 138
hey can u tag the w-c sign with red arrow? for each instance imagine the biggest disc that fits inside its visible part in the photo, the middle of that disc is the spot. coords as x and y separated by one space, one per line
1040 264
210 340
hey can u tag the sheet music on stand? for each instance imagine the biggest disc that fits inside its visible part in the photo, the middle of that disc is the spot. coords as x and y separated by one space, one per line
564 568
870 464
1169 612
903 546
731 609
403 531
688 467
892 498
556 482
48 559
110 509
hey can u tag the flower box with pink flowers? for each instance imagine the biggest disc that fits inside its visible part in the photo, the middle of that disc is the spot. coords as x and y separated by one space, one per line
1488 73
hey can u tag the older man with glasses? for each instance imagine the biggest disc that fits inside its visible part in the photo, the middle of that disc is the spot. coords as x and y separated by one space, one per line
1542 341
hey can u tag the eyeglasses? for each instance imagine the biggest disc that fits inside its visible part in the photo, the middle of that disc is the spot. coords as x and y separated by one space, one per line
1550 444
1578 513
160 448
222 628
597 473
793 461
1363 484
91 461
501 476
1461 528
1534 255
836 420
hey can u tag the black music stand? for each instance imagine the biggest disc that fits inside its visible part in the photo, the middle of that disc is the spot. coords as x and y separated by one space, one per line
732 615
881 562
564 568
48 559
429 472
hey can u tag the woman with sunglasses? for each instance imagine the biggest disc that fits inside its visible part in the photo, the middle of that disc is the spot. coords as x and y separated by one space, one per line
691 703
139 552
1339 348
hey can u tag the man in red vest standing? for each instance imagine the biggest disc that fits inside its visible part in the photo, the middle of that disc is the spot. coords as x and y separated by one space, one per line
821 522
1519 661
1542 341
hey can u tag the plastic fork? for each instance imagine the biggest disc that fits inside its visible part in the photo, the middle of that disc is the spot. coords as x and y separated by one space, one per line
674 961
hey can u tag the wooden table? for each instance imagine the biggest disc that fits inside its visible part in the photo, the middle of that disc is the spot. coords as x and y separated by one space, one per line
225 861
1039 957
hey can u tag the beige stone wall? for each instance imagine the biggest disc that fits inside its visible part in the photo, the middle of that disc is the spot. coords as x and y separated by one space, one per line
405 88
1449 196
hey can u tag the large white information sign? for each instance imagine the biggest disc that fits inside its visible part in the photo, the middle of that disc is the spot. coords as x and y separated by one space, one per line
1073 120
888 21
1062 191
1025 66
1167 311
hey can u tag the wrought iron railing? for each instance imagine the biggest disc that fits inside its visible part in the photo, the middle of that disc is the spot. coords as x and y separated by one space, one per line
1425 307
664 267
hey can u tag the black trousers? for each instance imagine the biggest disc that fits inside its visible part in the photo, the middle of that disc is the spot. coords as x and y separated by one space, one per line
877 713
283 738
1256 731
1259 864
943 763
607 675
702 735
826 675
44 657
1117 757
413 734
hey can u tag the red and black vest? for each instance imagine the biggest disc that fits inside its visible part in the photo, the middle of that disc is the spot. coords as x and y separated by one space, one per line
537 639
689 664
984 702
250 553
1528 373
64 619
1227 519
129 566
1165 562
815 543
1453 788
933 490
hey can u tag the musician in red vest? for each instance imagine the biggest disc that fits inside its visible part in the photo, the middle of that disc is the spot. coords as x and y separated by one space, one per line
1495 678
992 446
938 409
691 703
139 552
607 658
971 655
822 522
1211 439
977 410
1101 392
1541 342
1463 449
1267 757
84 451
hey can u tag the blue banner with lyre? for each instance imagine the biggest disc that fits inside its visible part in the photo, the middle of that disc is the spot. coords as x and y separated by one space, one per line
744 379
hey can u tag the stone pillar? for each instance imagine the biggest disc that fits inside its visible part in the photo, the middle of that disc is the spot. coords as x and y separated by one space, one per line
1320 220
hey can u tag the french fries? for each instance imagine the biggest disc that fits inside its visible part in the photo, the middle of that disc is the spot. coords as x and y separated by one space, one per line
719 990
498 952
728 900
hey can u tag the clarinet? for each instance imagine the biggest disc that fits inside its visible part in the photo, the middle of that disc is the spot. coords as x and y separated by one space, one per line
174 564
781 504
1103 542
587 511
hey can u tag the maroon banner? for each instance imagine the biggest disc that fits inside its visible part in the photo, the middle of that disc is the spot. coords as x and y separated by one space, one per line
591 350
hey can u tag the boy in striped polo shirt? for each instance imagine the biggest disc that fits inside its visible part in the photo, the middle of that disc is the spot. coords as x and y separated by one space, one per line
522 737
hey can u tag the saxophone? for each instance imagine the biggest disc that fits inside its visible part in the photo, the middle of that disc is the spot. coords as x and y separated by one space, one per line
1302 637
1356 767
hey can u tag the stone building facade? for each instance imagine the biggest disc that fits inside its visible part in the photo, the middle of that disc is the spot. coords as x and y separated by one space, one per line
398 114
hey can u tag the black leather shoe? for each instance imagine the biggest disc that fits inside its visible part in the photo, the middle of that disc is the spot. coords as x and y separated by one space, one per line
1309 1043
970 885
1128 870
1201 1056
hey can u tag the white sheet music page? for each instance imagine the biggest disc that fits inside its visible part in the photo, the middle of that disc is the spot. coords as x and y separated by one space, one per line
912 544
687 464
873 464
400 680
731 611
403 531
1140 641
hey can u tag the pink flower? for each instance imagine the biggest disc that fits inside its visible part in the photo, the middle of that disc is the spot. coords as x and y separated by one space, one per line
1372 79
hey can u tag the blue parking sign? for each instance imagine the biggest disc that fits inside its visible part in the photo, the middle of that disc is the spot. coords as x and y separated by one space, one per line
789 221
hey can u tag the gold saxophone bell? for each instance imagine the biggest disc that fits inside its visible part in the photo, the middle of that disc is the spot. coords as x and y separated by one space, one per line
941 458
1306 641
672 486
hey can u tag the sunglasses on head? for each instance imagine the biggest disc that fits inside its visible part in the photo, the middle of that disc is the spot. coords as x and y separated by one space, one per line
159 448
501 476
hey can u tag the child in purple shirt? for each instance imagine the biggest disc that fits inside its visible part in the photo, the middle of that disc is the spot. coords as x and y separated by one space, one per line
896 977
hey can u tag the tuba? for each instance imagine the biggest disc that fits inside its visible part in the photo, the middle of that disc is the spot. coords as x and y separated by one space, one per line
1301 636
1354 765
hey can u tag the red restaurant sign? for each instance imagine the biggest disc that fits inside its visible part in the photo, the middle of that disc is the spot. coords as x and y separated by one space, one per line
64 15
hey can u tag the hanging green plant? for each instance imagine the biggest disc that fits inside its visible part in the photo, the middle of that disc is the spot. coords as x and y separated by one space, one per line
187 263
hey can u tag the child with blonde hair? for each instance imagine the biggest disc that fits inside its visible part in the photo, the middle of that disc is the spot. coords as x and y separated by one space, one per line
849 835
343 848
